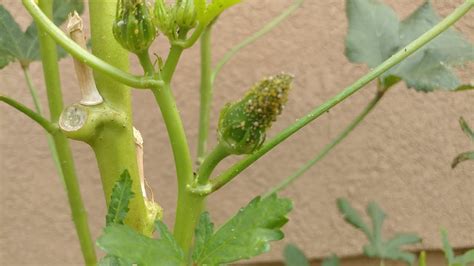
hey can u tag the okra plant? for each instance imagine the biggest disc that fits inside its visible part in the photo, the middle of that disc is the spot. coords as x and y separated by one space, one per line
420 50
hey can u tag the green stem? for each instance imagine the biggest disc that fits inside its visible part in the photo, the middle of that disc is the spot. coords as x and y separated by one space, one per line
113 142
78 52
210 163
51 75
285 183
184 44
237 168
189 206
38 107
257 35
206 93
43 122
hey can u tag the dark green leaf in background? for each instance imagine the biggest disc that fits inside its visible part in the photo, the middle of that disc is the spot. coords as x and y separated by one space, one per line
375 33
378 247
245 235
294 256
16 45
465 156
331 261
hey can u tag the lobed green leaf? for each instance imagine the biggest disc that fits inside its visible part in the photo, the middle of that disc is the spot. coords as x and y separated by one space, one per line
17 45
331 261
294 256
375 33
125 243
352 216
245 235
121 196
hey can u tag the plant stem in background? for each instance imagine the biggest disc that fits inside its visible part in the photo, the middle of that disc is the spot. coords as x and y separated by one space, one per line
237 168
285 183
113 144
78 52
51 75
206 93
257 35
39 110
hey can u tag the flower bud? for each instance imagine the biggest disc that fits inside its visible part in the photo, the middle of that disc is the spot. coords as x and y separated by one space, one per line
164 20
185 14
243 124
133 26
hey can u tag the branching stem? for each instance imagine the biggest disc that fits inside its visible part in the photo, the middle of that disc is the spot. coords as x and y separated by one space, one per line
237 168
43 122
78 52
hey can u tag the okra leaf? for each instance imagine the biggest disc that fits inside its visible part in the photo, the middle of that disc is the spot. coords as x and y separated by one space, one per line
12 39
331 261
352 216
294 256
17 45
378 247
207 12
110 260
431 68
465 127
121 196
245 235
203 233
125 243
373 32
465 156
453 260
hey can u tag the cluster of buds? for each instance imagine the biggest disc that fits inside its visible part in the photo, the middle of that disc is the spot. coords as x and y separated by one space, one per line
133 27
243 124
170 20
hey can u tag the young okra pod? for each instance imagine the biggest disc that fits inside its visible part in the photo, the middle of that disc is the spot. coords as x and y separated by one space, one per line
243 124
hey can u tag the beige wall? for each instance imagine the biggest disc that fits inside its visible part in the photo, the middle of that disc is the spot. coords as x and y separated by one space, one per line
398 157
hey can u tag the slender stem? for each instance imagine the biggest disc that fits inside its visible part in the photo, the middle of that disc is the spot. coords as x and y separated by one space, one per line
191 40
286 182
189 206
78 52
210 163
206 93
43 122
237 168
32 89
51 74
249 40
38 107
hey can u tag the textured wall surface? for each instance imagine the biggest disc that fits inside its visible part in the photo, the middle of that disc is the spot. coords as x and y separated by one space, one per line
400 156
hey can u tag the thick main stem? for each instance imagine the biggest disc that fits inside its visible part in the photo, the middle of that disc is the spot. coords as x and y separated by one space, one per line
113 144
285 183
53 85
206 94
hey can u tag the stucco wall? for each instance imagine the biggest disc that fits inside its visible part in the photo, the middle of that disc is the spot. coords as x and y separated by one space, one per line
398 157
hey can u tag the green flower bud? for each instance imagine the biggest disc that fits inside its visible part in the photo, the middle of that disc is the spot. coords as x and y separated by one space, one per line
185 14
133 26
164 20
243 124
